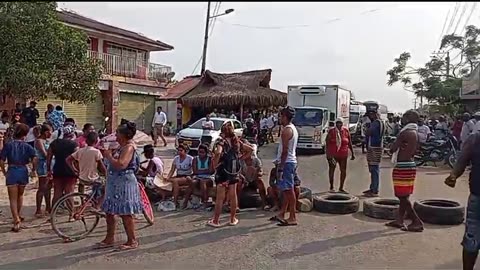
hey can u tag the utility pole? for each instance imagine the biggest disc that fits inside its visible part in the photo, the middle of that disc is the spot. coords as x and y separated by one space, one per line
205 40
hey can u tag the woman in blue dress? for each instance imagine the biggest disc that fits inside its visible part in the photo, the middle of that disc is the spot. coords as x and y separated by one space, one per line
122 194
45 186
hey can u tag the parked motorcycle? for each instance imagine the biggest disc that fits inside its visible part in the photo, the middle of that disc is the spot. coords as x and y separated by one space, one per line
387 144
262 137
435 150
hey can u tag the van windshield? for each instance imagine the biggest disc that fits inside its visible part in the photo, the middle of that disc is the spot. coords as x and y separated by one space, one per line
308 117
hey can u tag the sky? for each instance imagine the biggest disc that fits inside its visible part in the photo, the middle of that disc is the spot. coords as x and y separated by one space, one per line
348 43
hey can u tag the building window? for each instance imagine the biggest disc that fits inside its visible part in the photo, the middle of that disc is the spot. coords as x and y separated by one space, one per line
131 53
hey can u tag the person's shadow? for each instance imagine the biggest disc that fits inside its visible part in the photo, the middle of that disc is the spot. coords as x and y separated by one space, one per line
324 245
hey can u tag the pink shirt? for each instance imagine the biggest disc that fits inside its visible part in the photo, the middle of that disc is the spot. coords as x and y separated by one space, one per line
81 141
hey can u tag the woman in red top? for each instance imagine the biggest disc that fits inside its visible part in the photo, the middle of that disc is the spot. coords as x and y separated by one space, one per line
457 127
338 142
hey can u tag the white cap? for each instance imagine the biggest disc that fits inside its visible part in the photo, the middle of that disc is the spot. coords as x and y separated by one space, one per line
477 114
338 120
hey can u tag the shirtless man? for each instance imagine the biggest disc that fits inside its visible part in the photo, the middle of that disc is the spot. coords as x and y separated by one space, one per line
404 172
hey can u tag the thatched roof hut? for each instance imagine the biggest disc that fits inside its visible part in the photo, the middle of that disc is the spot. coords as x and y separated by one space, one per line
250 88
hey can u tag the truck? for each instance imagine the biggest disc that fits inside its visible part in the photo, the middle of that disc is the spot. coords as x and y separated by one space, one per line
316 108
357 111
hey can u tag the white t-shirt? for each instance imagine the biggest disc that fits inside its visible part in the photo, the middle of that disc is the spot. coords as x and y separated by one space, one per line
184 167
271 122
264 123
159 119
476 128
467 129
423 132
208 124
4 127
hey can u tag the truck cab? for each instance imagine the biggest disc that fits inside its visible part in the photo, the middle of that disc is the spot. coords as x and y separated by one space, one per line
316 108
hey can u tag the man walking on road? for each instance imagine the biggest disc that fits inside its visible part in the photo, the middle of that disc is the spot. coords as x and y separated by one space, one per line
287 167
404 172
159 121
374 152
471 239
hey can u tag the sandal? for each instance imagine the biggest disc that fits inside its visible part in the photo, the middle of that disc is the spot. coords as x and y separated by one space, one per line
213 224
39 215
275 218
16 227
234 223
102 245
285 223
123 247
394 224
411 228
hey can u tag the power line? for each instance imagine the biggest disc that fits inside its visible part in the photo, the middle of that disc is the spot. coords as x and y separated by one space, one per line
443 28
280 27
465 5
469 16
452 19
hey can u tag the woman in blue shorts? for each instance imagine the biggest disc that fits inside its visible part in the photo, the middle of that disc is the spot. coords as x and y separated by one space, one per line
17 153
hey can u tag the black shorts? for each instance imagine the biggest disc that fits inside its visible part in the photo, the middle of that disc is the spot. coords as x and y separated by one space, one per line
223 178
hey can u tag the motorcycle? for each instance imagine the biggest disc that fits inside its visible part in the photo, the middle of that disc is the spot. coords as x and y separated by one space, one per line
262 137
436 150
387 143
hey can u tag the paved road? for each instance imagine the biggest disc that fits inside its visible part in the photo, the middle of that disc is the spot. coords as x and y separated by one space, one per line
180 240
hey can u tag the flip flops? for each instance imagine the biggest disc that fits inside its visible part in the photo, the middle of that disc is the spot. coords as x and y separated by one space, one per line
284 223
394 224
411 228
234 222
212 224
124 247
102 245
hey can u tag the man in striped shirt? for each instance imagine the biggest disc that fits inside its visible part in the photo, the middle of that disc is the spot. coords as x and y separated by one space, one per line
374 152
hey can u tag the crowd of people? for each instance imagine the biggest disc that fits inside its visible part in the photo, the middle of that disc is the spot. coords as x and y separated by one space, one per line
62 160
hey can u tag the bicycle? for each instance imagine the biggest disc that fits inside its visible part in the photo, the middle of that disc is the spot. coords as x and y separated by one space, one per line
84 209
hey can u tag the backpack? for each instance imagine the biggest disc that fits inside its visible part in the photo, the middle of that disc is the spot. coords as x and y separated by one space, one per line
230 160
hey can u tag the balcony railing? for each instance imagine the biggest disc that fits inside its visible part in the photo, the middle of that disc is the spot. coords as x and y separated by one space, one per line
131 67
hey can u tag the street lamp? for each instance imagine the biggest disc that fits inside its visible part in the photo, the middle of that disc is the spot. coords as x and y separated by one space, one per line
205 42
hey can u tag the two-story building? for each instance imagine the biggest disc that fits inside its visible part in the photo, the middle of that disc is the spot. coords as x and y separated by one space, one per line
130 81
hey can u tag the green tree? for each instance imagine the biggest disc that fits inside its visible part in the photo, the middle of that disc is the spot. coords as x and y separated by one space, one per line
435 81
40 55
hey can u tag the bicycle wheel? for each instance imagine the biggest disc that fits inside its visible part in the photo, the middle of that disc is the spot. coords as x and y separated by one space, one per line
73 217
147 207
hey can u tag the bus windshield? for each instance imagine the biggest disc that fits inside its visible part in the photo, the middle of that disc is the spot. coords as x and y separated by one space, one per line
308 117
354 116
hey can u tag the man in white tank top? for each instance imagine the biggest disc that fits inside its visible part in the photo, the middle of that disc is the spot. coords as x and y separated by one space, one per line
287 166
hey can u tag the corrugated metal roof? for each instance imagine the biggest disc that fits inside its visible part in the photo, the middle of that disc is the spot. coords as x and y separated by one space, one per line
182 87
76 19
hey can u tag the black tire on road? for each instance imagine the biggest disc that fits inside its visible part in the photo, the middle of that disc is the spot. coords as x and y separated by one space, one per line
336 203
381 208
249 199
439 211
